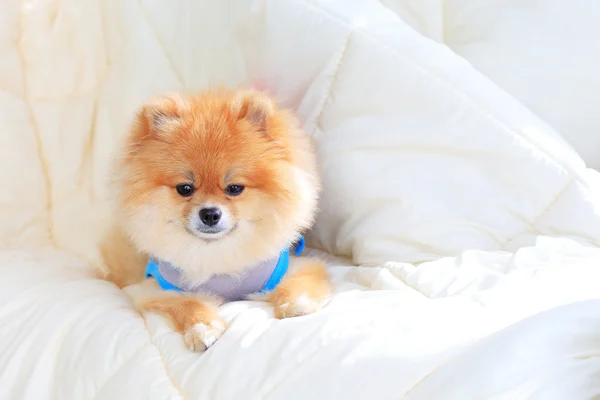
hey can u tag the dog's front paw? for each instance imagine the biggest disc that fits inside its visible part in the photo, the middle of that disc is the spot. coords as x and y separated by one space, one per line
304 291
201 336
298 306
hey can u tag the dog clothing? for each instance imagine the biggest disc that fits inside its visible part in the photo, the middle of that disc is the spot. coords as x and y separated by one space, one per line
262 277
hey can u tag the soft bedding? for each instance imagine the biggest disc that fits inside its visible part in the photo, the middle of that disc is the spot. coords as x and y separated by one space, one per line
465 226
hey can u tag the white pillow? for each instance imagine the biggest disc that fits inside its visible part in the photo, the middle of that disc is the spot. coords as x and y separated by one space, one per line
421 155
546 53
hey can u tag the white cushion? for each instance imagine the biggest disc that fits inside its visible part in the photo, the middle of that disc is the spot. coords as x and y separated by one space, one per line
545 53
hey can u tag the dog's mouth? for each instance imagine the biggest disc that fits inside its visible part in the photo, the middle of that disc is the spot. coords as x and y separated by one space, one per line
209 234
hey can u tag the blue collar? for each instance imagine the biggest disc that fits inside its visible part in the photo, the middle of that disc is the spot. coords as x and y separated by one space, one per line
279 267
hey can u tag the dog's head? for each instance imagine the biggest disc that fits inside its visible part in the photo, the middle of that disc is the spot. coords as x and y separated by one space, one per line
223 175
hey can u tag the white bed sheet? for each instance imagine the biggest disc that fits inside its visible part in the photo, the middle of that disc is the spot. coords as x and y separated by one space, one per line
483 325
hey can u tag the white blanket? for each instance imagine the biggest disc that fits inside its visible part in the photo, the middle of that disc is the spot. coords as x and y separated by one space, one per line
474 222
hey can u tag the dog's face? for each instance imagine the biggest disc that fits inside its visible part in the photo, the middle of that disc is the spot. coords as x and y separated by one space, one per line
219 172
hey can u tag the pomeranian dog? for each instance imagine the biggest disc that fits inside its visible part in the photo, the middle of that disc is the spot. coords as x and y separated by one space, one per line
213 192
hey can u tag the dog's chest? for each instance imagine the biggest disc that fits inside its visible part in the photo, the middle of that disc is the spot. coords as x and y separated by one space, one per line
227 287
261 277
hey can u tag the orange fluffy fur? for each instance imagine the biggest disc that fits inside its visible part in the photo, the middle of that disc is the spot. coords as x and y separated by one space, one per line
211 140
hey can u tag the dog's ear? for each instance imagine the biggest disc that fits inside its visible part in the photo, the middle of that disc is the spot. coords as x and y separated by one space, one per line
161 114
254 107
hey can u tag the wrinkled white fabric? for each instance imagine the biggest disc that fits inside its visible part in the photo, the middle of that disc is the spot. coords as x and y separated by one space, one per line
474 221
543 52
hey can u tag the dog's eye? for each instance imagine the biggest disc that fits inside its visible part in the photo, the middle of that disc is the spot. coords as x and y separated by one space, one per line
185 189
234 190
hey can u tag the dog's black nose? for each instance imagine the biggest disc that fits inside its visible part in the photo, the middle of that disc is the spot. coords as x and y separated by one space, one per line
210 216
